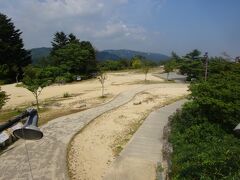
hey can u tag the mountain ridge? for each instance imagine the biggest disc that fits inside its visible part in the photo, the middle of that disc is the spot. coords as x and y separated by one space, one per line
110 54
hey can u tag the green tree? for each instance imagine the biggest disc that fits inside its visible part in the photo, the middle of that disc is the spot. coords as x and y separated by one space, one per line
125 63
136 62
168 67
35 81
111 65
72 38
3 98
89 56
195 54
13 56
59 41
146 65
175 57
76 58
192 65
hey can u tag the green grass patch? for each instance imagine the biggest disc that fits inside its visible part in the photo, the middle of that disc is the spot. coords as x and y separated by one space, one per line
6 115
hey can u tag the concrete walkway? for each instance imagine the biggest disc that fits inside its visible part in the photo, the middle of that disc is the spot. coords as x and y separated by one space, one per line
178 78
48 155
140 157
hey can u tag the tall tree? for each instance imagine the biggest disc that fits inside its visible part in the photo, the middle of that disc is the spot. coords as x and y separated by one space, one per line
90 56
13 56
59 41
76 58
72 38
195 54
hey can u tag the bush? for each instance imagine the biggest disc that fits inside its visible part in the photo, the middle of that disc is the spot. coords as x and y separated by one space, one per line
111 65
136 63
3 98
219 98
204 146
66 78
66 95
204 151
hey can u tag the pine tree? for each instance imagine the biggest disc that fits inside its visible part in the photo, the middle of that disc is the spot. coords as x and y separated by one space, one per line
72 38
13 56
59 41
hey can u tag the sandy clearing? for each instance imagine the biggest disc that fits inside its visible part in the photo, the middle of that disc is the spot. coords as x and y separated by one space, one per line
92 150
88 90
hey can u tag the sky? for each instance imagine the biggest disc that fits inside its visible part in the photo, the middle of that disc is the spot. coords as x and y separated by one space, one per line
160 26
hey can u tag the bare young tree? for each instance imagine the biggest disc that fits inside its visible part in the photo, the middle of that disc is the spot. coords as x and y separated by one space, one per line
34 82
36 91
102 77
145 71
146 65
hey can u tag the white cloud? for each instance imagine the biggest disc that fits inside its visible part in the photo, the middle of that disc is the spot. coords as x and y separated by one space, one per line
120 29
55 9
94 20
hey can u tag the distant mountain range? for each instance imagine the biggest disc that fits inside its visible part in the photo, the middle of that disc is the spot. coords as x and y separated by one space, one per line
128 54
38 53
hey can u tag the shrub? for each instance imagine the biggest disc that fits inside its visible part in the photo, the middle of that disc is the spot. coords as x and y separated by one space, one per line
66 95
3 98
204 151
219 98
204 146
67 77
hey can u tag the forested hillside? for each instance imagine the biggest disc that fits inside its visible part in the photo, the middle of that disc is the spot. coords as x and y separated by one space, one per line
39 53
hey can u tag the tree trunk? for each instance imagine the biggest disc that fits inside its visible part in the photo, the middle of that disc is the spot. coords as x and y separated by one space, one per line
145 77
167 76
102 90
17 77
37 103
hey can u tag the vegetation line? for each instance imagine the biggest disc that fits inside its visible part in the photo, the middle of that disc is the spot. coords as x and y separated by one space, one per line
202 137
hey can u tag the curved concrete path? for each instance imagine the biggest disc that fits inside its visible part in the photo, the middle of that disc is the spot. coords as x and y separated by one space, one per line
173 76
142 154
48 155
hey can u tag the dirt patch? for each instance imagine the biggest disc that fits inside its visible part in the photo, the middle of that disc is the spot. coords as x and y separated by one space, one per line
59 100
79 90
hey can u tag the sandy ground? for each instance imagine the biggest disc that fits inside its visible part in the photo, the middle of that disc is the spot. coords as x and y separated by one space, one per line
93 149
83 93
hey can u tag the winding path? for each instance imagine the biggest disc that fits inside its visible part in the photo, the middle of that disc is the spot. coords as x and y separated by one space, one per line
143 153
48 155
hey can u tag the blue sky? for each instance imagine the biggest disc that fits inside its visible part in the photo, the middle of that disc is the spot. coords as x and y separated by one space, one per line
147 25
